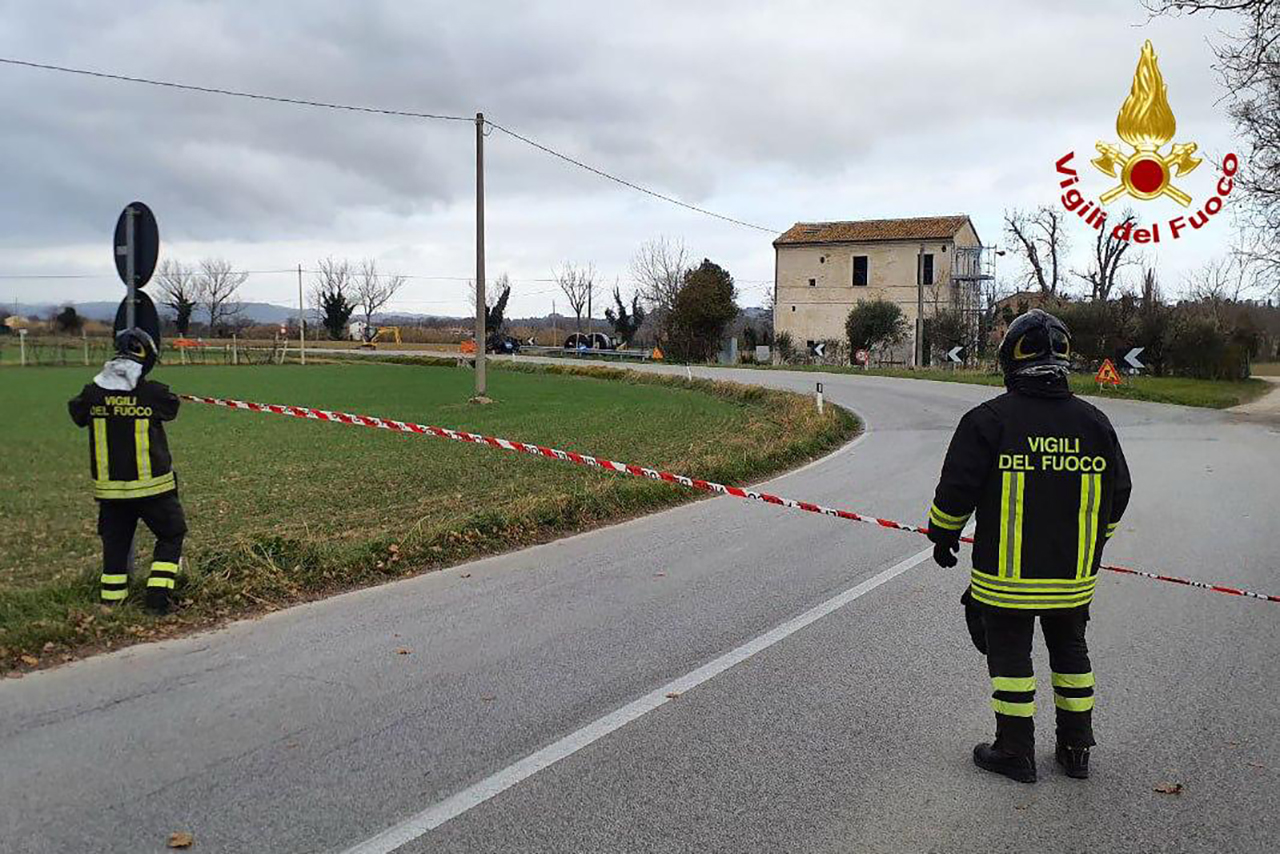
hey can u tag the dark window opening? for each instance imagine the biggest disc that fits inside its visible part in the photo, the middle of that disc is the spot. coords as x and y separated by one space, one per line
793 308
822 259
861 271
813 283
926 268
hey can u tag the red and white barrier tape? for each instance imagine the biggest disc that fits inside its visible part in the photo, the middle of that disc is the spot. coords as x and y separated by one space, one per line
635 471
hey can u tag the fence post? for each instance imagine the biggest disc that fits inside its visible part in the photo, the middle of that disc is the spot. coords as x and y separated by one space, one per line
235 351
22 346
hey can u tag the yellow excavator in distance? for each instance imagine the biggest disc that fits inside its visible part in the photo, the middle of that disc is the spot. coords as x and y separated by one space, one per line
383 333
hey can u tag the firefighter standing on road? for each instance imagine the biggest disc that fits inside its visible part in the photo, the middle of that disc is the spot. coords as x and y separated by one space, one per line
132 471
1045 474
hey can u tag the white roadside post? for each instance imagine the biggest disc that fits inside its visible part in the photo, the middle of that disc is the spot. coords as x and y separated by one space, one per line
817 397
84 338
22 347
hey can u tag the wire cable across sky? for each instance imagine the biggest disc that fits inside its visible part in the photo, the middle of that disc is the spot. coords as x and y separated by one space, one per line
355 108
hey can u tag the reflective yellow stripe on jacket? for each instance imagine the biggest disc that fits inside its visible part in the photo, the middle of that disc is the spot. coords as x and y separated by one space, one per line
142 446
1090 498
100 458
134 488
1035 593
1012 489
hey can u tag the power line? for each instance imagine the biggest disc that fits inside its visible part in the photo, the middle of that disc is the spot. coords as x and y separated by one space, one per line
211 90
330 105
670 199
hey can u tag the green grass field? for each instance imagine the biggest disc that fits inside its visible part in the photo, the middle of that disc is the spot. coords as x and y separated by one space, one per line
282 509
1213 394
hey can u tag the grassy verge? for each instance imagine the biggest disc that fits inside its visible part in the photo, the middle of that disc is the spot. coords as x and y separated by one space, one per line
282 510
1212 394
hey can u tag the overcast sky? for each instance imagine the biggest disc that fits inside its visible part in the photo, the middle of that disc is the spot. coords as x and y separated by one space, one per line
770 113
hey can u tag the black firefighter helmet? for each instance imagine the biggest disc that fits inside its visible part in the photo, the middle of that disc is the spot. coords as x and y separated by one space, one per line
1036 342
138 346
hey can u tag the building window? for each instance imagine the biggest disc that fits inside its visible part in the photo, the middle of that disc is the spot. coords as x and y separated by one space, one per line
813 283
944 249
822 259
793 308
926 268
861 271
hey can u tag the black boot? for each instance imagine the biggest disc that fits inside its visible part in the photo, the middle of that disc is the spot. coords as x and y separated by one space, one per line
1074 761
1012 765
158 600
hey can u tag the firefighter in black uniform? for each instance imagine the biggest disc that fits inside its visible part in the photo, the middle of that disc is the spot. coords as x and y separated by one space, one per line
132 471
1044 472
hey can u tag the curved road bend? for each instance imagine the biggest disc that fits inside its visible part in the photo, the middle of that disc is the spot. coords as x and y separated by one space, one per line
846 730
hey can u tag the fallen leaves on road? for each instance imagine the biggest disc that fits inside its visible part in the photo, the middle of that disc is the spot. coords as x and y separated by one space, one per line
181 839
402 651
464 575
673 695
1256 765
1168 788
659 575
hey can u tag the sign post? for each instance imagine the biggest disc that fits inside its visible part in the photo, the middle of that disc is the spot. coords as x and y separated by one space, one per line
137 245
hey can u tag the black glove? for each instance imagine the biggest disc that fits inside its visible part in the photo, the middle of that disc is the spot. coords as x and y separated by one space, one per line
944 554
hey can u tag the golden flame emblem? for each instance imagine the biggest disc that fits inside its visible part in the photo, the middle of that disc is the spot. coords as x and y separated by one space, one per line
1147 124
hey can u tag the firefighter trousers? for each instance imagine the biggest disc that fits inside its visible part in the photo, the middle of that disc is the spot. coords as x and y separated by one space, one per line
117 523
1009 633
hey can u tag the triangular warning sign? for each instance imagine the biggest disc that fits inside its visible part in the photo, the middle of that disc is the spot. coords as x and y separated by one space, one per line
1108 374
656 354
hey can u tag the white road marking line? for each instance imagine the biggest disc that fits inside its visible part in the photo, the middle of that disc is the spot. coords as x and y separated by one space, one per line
433 816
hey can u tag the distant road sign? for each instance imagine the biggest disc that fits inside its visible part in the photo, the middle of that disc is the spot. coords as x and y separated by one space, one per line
819 349
1131 358
1108 374
956 354
146 244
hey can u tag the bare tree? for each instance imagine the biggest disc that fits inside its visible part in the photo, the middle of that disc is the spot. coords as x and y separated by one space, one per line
179 291
1108 260
333 296
658 267
1042 242
1216 286
492 292
218 285
1248 64
373 290
578 284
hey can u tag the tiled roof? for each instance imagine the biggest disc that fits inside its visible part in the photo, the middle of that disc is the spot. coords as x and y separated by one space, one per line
914 228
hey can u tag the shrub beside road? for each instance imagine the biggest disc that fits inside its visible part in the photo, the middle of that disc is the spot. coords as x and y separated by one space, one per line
282 510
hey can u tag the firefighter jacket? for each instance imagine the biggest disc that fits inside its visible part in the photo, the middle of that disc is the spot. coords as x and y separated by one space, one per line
128 450
1044 473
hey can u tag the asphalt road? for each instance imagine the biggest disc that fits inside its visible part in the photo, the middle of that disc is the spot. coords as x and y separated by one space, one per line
542 676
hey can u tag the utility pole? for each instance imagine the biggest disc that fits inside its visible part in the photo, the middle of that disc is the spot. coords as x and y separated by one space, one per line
920 307
481 385
302 321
